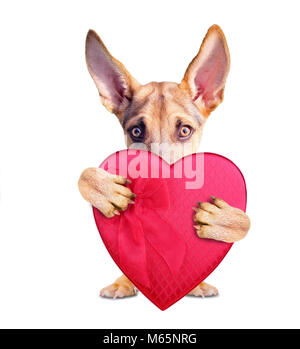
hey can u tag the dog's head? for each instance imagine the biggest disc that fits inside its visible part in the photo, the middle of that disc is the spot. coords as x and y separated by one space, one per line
166 118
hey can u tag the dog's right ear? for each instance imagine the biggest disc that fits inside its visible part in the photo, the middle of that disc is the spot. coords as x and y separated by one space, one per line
206 75
114 83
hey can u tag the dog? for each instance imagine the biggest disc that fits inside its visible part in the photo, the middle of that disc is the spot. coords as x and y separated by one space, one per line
162 113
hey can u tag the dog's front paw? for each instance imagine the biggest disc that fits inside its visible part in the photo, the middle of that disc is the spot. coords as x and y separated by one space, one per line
204 290
121 288
220 221
105 191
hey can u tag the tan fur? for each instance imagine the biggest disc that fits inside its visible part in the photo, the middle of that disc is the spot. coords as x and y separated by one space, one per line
161 107
122 287
219 221
104 191
204 290
214 30
132 83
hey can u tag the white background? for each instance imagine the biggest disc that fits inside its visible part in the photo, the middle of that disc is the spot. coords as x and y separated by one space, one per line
52 261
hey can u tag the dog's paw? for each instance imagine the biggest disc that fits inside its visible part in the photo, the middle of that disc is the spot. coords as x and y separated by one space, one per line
121 288
117 291
105 191
204 290
220 221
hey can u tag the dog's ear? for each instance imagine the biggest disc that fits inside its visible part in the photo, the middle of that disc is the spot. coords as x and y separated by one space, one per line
114 83
206 75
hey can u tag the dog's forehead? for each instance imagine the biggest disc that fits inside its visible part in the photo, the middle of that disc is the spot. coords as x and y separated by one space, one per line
155 94
161 99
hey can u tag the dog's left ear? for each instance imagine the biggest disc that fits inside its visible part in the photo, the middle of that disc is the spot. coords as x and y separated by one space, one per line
206 75
114 83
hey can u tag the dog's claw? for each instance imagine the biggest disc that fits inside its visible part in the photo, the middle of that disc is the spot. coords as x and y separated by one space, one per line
123 288
204 290
219 221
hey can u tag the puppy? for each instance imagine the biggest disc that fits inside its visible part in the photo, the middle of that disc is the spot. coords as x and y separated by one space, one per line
160 114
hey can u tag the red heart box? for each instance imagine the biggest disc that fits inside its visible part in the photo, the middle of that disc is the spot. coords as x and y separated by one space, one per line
154 242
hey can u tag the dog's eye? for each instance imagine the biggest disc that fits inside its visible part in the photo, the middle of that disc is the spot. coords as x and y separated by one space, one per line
137 132
185 131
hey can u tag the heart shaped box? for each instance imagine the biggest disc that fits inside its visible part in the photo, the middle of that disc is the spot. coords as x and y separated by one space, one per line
154 242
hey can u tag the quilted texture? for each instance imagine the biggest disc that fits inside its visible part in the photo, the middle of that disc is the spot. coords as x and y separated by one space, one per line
219 177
